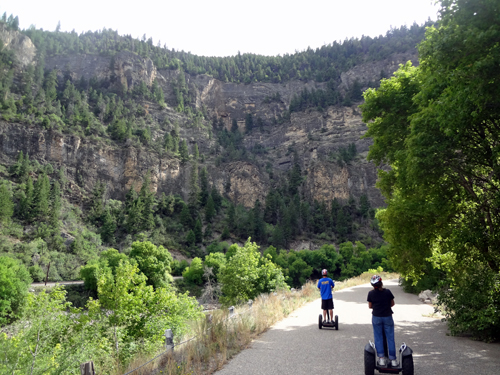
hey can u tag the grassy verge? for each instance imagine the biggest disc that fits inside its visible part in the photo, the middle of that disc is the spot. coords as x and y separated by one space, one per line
219 337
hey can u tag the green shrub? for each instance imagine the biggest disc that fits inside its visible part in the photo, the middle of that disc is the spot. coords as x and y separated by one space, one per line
14 282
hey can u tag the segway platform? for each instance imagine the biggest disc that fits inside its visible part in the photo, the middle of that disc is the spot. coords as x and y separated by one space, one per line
324 324
405 360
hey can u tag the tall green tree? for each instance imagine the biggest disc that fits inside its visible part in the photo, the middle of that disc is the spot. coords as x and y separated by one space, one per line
6 204
437 127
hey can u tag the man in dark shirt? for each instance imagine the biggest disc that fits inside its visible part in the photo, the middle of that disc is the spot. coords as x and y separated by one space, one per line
381 300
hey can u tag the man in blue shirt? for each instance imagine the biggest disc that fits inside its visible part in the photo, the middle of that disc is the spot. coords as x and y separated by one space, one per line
325 285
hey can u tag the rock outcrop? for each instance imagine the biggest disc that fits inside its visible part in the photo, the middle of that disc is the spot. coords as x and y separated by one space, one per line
22 46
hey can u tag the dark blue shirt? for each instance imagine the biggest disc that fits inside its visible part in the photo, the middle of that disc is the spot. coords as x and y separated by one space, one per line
325 285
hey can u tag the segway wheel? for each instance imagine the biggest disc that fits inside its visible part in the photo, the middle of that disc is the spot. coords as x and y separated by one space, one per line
369 363
320 321
336 323
407 365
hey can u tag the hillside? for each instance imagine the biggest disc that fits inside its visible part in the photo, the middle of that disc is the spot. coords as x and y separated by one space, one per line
150 143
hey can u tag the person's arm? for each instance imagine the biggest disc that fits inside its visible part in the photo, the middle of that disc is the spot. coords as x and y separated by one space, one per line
392 303
370 306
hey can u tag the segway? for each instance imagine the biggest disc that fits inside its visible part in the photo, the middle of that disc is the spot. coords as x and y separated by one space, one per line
334 324
405 360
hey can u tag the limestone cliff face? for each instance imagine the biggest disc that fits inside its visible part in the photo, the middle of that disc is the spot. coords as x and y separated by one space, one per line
374 71
315 136
124 71
22 46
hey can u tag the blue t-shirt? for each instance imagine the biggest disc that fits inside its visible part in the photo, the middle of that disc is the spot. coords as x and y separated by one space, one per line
325 285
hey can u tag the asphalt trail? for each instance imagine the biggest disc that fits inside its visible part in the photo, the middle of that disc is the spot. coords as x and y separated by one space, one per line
296 346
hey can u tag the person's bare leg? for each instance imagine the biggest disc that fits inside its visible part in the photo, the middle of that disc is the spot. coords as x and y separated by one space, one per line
331 315
324 315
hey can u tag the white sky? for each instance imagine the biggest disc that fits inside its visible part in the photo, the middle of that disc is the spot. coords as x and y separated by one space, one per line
224 27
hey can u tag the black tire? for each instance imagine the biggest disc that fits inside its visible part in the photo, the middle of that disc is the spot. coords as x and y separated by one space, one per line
407 365
369 363
336 322
320 321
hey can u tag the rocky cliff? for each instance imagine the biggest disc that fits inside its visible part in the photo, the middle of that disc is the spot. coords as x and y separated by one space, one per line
314 136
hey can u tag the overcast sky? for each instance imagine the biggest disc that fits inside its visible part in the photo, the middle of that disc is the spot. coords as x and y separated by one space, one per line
224 27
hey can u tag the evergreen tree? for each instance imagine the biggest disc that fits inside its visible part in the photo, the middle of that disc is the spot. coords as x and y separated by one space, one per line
248 122
148 200
204 192
196 152
194 191
230 218
190 238
41 198
198 231
185 217
217 198
183 151
234 126
108 228
209 209
6 204
258 225
135 216
26 202
96 210
55 207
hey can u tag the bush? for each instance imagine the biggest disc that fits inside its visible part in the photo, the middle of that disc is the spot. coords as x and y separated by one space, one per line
14 282
194 273
471 303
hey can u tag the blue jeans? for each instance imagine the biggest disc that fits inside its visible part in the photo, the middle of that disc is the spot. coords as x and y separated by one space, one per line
380 325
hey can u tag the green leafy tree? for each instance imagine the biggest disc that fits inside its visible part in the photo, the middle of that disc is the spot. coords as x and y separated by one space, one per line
246 275
217 261
154 261
440 141
194 273
14 283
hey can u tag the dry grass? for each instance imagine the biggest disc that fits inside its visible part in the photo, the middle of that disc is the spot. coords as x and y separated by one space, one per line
219 337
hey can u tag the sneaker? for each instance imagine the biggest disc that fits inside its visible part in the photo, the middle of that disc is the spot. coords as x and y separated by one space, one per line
394 363
381 361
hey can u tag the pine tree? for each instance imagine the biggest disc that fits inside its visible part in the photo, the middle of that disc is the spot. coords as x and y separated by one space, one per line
217 198
6 204
198 231
135 215
258 225
191 238
96 210
108 228
26 202
41 198
230 219
185 217
204 193
55 207
209 209
183 151
196 152
194 191
248 122
148 200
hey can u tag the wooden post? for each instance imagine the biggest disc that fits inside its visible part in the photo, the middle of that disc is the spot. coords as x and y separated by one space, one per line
87 368
169 339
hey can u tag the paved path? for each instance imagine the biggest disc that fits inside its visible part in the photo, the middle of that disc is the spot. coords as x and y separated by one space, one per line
296 346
